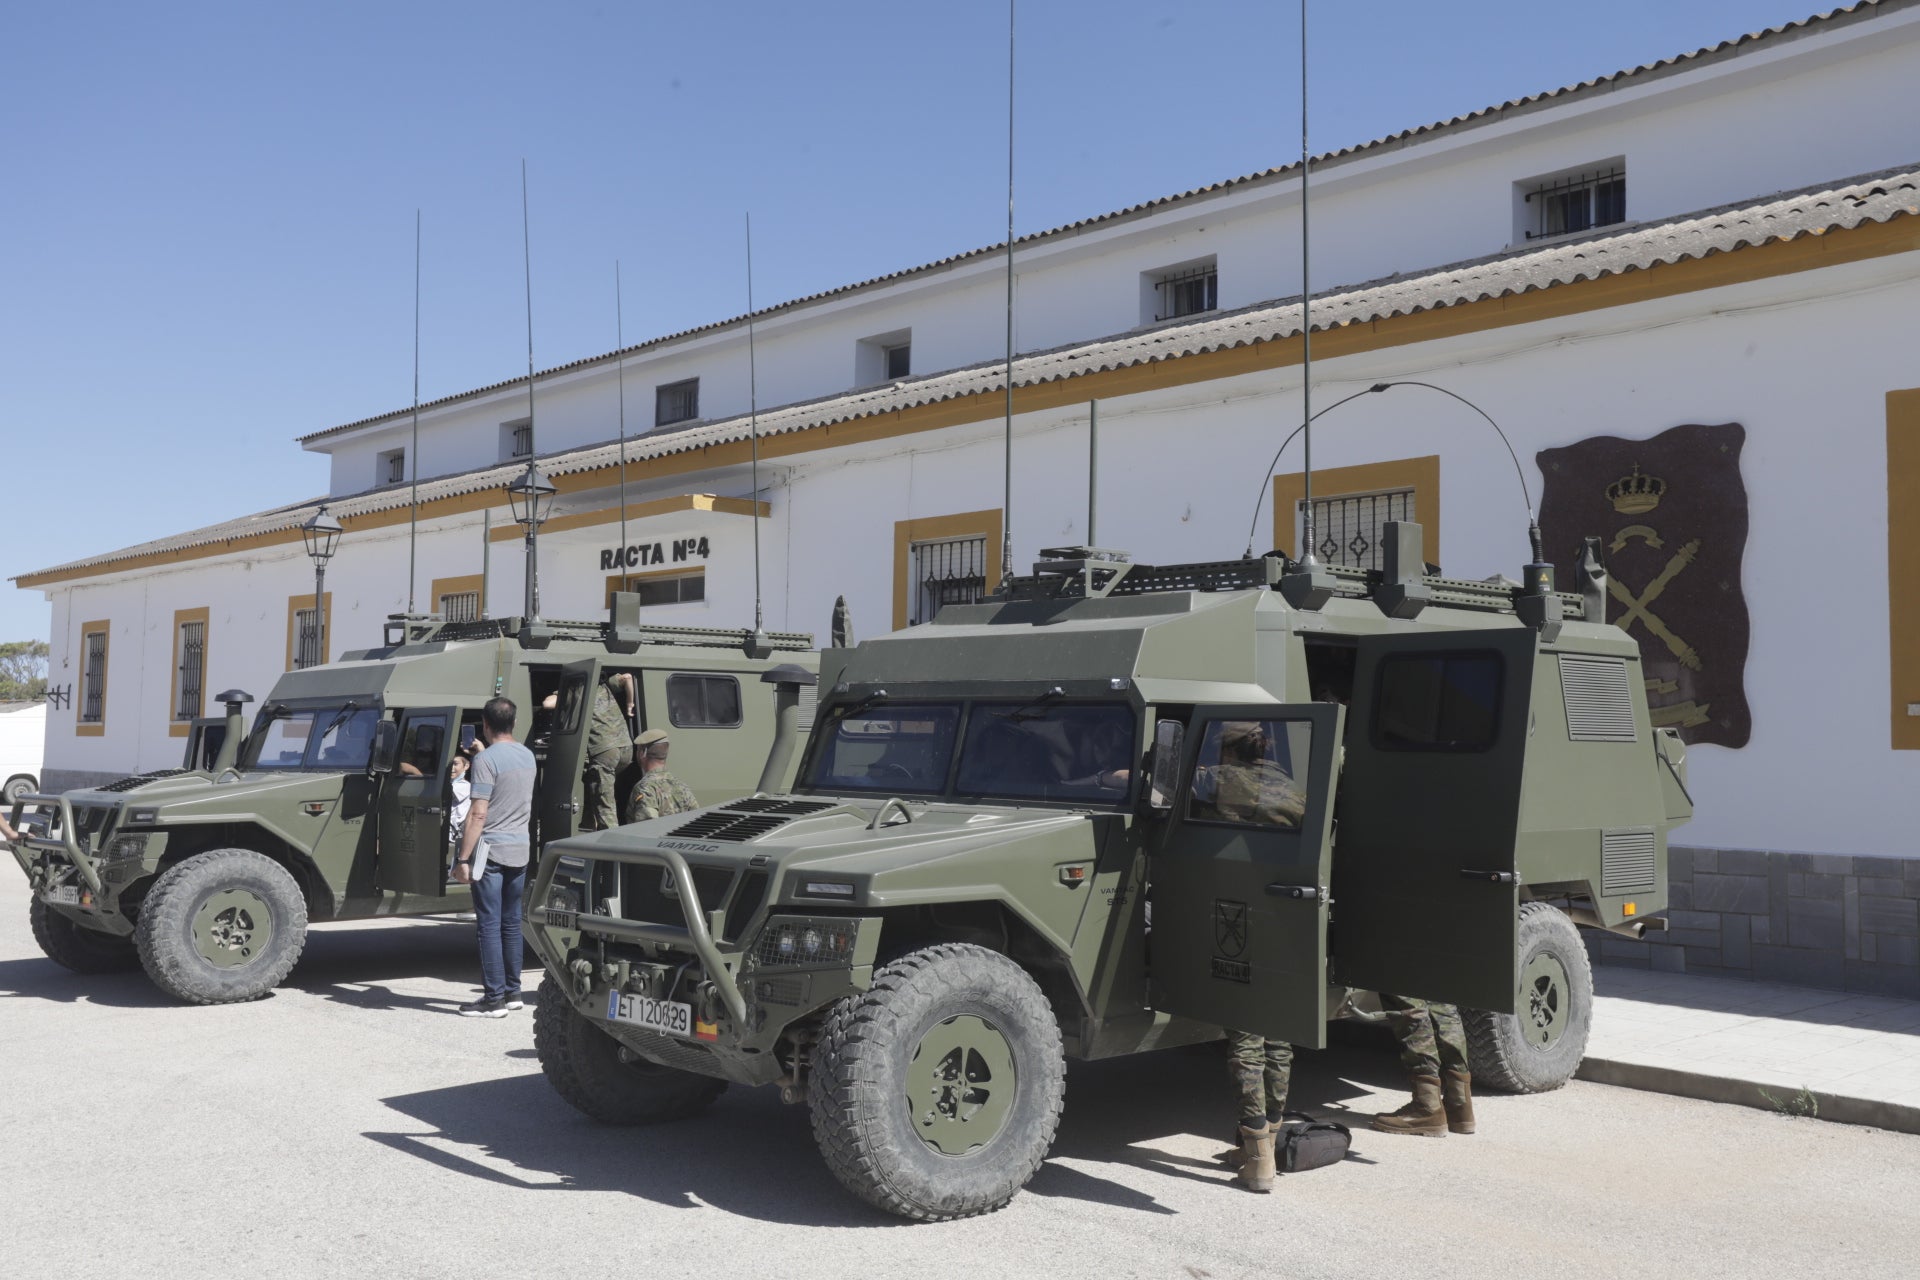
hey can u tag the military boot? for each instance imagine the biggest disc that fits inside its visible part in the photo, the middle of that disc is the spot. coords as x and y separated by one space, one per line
1256 1158
1424 1115
1456 1094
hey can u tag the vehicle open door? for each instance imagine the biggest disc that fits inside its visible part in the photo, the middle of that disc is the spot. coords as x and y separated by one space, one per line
1239 883
562 787
1424 883
413 806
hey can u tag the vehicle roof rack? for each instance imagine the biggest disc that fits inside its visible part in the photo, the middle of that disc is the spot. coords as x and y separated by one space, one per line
403 629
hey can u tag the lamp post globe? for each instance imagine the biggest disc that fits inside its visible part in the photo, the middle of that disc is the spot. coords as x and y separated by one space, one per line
531 500
321 534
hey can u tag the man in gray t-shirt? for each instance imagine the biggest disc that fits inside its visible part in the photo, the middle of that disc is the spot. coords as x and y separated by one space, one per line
503 777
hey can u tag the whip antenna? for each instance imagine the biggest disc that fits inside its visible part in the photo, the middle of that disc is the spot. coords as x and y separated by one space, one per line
536 486
413 450
620 345
753 436
1306 308
1006 500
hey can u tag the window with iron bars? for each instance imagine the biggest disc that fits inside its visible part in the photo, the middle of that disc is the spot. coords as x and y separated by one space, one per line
460 606
1346 527
520 440
306 638
676 402
659 589
396 466
1188 292
1577 202
93 678
950 571
191 677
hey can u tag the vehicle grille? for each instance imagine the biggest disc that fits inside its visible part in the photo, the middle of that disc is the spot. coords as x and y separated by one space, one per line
718 824
1626 861
770 804
746 900
140 780
644 895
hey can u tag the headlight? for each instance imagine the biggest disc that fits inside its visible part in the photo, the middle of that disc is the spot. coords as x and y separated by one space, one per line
131 846
808 942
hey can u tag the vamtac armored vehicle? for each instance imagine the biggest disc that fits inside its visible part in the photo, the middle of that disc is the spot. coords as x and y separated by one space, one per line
334 805
1117 808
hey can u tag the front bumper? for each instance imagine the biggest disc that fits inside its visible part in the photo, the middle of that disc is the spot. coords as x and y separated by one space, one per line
80 867
744 1004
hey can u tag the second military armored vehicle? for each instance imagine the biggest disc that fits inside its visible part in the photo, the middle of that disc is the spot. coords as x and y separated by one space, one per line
334 805
1118 808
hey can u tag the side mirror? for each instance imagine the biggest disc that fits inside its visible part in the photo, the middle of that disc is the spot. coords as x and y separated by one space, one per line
1168 738
386 748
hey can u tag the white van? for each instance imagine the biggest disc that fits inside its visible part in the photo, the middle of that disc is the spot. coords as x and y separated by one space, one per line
23 739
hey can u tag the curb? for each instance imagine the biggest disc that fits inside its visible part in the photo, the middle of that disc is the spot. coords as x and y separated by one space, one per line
1835 1107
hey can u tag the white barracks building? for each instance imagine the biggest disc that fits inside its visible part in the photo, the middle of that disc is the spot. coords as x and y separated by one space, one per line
1688 292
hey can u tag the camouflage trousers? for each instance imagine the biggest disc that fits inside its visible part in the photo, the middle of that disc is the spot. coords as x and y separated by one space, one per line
1261 1070
602 779
1430 1035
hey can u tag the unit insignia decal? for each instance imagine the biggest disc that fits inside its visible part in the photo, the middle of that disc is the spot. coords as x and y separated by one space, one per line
1671 514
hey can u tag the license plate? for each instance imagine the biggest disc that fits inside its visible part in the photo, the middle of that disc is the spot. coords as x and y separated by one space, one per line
66 895
668 1017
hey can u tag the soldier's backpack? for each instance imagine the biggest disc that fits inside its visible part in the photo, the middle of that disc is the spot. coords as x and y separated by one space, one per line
1306 1143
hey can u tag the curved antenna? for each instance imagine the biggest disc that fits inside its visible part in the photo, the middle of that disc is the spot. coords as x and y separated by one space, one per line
1006 489
753 429
413 450
1306 307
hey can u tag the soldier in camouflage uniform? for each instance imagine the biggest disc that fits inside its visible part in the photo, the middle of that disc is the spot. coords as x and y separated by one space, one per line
609 750
1432 1040
658 792
1261 1069
1247 785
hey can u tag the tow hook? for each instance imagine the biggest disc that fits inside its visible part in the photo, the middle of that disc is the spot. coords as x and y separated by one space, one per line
580 973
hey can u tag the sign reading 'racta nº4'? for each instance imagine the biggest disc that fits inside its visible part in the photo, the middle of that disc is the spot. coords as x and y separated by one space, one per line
1671 513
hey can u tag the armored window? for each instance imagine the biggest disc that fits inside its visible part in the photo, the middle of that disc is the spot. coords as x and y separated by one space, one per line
676 402
1346 527
190 669
687 587
1577 201
1185 290
345 740
460 606
1437 701
306 638
703 702
1252 773
1070 752
422 743
950 571
93 675
900 749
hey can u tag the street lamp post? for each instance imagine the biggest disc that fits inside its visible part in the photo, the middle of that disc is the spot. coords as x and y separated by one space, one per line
531 499
321 533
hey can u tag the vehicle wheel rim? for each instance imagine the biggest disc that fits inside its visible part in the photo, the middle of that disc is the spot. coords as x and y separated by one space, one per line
232 928
960 1085
1544 996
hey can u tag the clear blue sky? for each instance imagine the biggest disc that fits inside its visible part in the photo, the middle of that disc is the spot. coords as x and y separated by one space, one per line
207 211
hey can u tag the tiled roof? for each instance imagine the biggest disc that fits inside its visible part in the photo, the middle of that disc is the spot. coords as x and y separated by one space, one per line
1872 198
1739 46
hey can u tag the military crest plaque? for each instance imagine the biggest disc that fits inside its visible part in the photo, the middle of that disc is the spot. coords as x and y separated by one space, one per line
1671 515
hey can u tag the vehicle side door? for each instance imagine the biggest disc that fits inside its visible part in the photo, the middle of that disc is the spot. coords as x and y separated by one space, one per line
562 788
1424 883
413 806
719 726
1239 881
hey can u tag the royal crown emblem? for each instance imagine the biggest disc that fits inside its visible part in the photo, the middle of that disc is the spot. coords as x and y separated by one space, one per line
1636 494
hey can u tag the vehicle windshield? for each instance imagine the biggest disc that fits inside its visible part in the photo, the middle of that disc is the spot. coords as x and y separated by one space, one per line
330 737
1074 752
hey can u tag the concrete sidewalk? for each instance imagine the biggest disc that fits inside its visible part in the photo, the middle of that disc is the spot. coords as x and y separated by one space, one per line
1850 1058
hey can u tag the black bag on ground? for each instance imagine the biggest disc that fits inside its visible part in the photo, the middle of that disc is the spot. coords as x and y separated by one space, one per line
1306 1143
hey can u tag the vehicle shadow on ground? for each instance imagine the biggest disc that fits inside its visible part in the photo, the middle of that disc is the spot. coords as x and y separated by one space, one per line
755 1157
38 978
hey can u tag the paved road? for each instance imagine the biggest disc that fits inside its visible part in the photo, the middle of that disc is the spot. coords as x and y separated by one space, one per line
350 1125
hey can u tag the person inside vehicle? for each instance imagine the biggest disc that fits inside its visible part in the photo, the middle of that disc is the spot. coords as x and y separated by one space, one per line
1248 785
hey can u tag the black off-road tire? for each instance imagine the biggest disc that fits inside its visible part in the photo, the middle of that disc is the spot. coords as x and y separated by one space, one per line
267 925
868 1128
1539 1048
76 947
20 784
583 1065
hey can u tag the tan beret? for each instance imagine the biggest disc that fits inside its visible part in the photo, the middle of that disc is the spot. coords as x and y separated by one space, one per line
649 737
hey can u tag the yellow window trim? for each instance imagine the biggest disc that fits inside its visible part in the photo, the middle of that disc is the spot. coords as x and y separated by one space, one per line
970 524
294 605
1903 562
442 587
1422 475
177 727
93 728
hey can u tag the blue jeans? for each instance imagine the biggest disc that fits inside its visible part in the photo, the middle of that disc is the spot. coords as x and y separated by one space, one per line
496 910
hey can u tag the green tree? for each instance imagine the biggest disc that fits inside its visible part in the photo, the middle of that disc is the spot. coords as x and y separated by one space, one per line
23 670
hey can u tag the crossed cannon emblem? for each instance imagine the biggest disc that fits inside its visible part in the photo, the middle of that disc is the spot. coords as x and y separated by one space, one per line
1637 606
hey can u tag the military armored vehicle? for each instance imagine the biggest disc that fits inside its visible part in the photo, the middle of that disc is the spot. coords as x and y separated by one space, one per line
334 804
1117 808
